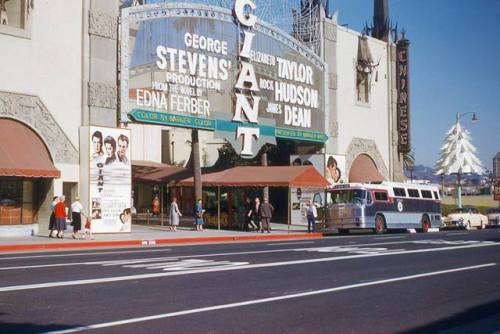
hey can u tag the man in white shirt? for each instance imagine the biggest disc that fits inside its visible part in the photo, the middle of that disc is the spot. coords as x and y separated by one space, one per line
311 214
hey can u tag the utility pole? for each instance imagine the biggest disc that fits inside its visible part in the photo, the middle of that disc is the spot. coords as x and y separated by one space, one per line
195 156
263 162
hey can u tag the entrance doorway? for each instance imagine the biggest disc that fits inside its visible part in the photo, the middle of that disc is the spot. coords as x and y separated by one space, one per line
70 191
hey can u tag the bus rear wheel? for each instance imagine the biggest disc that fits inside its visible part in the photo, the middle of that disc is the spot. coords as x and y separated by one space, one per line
380 224
426 224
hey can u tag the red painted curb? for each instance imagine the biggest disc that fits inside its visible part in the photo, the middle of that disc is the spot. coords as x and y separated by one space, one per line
150 242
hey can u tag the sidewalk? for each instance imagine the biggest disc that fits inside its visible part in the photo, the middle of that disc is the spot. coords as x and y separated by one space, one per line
142 235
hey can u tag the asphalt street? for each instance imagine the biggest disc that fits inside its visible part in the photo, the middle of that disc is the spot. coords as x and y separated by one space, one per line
446 282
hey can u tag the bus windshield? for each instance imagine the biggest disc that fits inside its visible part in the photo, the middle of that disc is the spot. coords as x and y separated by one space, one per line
346 196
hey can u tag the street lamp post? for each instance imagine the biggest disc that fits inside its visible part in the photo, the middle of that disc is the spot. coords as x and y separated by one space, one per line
474 116
459 182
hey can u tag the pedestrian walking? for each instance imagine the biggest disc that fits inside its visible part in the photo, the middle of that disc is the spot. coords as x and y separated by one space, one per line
52 220
256 214
60 212
266 213
174 215
311 214
76 217
248 215
199 215
88 228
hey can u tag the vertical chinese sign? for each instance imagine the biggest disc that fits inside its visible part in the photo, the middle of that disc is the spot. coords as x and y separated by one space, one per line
402 67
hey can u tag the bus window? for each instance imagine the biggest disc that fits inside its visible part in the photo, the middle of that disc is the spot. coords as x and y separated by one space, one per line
368 198
318 199
331 198
399 192
426 194
380 196
436 196
413 193
346 196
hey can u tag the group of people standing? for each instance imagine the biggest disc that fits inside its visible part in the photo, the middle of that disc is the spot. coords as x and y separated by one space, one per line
60 216
175 215
258 215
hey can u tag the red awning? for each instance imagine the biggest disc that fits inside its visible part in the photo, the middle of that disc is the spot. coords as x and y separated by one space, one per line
253 176
145 171
22 152
363 169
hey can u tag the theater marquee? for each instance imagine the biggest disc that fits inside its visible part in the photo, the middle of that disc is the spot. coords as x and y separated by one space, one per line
208 68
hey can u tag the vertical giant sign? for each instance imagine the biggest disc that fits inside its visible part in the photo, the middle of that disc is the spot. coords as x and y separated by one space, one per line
247 82
110 179
402 47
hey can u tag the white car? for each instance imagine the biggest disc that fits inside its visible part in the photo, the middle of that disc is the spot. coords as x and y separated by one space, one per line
493 216
466 217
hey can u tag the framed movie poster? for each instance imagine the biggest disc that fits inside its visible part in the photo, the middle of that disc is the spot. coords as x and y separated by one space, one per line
109 179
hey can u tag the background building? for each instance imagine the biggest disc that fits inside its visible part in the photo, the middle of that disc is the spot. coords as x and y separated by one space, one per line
496 167
40 103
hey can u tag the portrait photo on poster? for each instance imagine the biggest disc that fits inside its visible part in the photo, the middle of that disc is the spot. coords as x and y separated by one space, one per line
97 147
315 160
335 169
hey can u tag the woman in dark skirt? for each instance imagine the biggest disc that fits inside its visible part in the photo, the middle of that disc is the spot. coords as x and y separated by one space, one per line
52 221
76 217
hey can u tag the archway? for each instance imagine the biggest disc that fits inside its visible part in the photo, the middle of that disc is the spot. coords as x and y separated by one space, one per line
364 169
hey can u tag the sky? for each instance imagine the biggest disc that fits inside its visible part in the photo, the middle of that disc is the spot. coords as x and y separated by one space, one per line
454 68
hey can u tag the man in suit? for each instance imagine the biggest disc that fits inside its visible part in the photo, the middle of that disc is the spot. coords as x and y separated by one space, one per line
266 213
122 149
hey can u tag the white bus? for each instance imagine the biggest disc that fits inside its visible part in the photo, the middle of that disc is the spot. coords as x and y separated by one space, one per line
382 206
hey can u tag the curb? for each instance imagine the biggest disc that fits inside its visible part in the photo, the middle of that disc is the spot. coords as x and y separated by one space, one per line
153 242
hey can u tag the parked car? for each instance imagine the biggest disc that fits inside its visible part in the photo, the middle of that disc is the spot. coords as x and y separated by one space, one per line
493 216
465 217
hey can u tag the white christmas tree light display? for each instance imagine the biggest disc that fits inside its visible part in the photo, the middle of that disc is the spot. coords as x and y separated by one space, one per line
458 156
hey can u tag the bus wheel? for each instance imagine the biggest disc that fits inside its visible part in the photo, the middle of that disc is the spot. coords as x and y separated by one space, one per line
379 224
426 224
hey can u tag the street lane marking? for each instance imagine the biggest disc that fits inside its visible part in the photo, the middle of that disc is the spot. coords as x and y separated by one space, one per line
354 250
131 261
383 238
83 254
249 266
114 262
267 300
452 242
292 243
189 264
